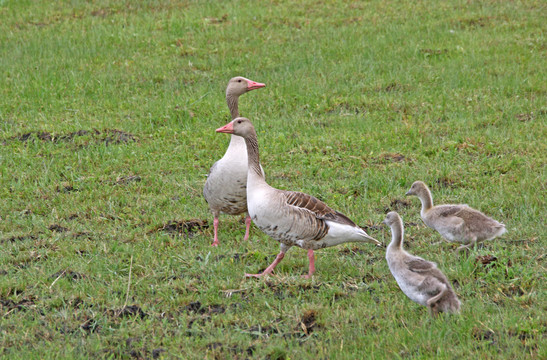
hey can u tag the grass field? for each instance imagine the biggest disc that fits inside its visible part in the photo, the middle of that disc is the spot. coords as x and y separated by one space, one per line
107 118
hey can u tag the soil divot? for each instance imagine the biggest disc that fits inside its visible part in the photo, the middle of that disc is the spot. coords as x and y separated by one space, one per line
186 228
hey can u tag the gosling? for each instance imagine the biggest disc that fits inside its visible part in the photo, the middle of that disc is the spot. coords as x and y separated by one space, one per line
419 279
456 223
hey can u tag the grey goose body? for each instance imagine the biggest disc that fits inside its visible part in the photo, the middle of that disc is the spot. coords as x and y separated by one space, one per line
225 188
292 218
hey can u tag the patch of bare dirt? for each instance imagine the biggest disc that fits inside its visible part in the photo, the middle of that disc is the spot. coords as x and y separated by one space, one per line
69 274
7 305
308 322
445 182
399 204
220 20
186 228
431 52
475 22
486 259
107 136
198 308
128 311
124 180
393 157
57 228
19 238
484 335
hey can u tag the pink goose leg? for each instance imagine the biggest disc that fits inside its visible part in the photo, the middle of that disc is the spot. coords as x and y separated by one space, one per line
215 227
247 227
311 271
270 268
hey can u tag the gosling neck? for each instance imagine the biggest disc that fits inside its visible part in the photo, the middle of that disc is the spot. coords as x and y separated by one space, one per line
397 233
427 200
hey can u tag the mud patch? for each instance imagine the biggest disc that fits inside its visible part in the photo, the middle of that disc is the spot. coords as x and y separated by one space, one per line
7 305
433 52
524 117
308 322
257 331
445 182
66 189
474 22
352 252
90 326
185 228
220 20
484 335
486 260
391 87
106 136
392 157
57 228
369 228
140 352
69 274
124 180
399 204
512 290
19 238
128 311
197 308
82 234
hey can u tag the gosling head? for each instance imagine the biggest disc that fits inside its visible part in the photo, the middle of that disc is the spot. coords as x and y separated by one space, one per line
392 218
418 188
239 85
239 126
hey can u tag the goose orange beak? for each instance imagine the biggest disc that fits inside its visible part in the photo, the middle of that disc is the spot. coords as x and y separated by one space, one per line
251 85
227 129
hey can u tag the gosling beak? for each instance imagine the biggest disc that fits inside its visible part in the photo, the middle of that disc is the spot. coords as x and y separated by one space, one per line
408 193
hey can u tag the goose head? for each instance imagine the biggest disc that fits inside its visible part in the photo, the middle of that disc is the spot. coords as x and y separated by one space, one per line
239 126
239 85
418 188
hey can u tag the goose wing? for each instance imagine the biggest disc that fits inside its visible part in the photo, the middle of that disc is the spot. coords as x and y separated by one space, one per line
318 208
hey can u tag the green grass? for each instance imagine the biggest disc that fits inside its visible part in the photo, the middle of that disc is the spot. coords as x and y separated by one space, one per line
107 118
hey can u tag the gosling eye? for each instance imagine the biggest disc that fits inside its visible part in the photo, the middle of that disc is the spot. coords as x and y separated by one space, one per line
239 80
239 121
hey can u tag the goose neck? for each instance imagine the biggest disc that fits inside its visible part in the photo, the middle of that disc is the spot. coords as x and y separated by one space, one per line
253 156
232 101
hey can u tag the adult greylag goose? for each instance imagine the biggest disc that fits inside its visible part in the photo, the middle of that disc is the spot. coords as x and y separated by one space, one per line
292 218
419 279
456 223
225 188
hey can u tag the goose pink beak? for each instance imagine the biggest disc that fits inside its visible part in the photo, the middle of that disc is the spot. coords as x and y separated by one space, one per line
227 129
251 85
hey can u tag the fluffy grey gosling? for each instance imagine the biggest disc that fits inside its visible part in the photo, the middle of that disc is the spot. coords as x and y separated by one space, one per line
224 189
419 279
456 223
290 217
